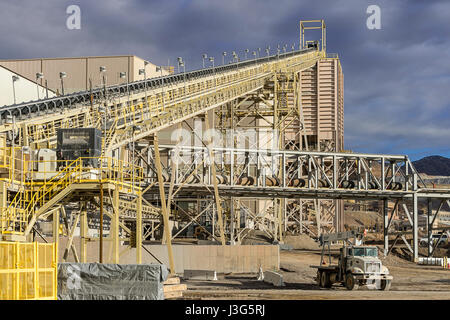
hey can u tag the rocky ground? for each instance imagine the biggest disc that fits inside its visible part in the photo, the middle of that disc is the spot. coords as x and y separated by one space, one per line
411 281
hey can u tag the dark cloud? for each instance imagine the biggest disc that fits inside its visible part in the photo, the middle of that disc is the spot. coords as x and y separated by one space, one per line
397 79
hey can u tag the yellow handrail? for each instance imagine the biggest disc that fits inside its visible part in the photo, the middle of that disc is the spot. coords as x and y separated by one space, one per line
25 203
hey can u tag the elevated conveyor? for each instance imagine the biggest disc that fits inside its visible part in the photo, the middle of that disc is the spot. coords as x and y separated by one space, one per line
141 108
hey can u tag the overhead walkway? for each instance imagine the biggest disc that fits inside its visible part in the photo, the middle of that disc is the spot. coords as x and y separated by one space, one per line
252 173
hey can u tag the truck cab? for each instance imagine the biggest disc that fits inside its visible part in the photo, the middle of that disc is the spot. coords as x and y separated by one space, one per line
357 264
360 265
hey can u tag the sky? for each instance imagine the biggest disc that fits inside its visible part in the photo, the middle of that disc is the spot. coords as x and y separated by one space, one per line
397 78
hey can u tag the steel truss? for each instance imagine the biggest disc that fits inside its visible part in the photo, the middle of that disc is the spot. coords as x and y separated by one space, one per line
230 187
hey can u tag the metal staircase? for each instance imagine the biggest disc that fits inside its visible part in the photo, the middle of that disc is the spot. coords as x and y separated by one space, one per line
37 197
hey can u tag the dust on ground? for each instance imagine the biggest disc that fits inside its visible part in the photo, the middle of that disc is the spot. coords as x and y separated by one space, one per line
411 281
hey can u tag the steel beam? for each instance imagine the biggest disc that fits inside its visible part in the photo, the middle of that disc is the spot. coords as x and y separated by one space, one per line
164 207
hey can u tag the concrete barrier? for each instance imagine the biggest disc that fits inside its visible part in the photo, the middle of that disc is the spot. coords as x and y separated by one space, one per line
222 259
274 278
200 275
431 261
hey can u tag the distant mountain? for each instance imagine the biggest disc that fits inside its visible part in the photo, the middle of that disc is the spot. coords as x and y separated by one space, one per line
433 166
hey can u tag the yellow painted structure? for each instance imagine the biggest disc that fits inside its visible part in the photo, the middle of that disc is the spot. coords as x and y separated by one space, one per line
28 271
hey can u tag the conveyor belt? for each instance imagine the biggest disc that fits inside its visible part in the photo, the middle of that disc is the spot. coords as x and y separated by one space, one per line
37 108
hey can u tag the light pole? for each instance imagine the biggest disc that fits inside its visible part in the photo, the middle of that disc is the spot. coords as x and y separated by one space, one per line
62 75
39 75
246 51
204 56
259 52
14 79
211 59
180 60
46 89
133 146
103 76
293 47
103 110
181 64
254 55
235 56
145 81
268 52
123 75
161 69
223 57
142 72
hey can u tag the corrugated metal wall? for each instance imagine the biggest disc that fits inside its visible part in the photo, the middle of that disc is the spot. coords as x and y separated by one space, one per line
323 102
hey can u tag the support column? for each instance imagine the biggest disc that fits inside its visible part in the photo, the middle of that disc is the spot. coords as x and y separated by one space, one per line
3 198
232 222
238 221
100 253
55 231
300 222
273 227
139 229
429 225
83 233
280 220
385 226
164 207
216 187
317 209
415 229
115 228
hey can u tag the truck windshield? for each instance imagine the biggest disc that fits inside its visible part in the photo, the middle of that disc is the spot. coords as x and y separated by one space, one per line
371 252
368 252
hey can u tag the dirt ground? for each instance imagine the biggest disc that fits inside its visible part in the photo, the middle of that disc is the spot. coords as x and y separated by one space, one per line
411 282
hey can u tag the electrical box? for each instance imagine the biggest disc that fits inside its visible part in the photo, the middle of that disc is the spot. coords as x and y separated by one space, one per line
80 142
46 164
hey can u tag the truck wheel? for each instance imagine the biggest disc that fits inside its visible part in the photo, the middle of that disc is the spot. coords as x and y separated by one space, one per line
385 285
319 278
325 280
351 283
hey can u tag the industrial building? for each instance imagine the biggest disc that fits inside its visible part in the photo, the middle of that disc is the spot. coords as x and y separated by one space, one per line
17 88
102 174
79 70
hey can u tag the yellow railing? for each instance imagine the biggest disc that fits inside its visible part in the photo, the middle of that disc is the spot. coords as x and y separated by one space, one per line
43 185
12 164
43 130
28 271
